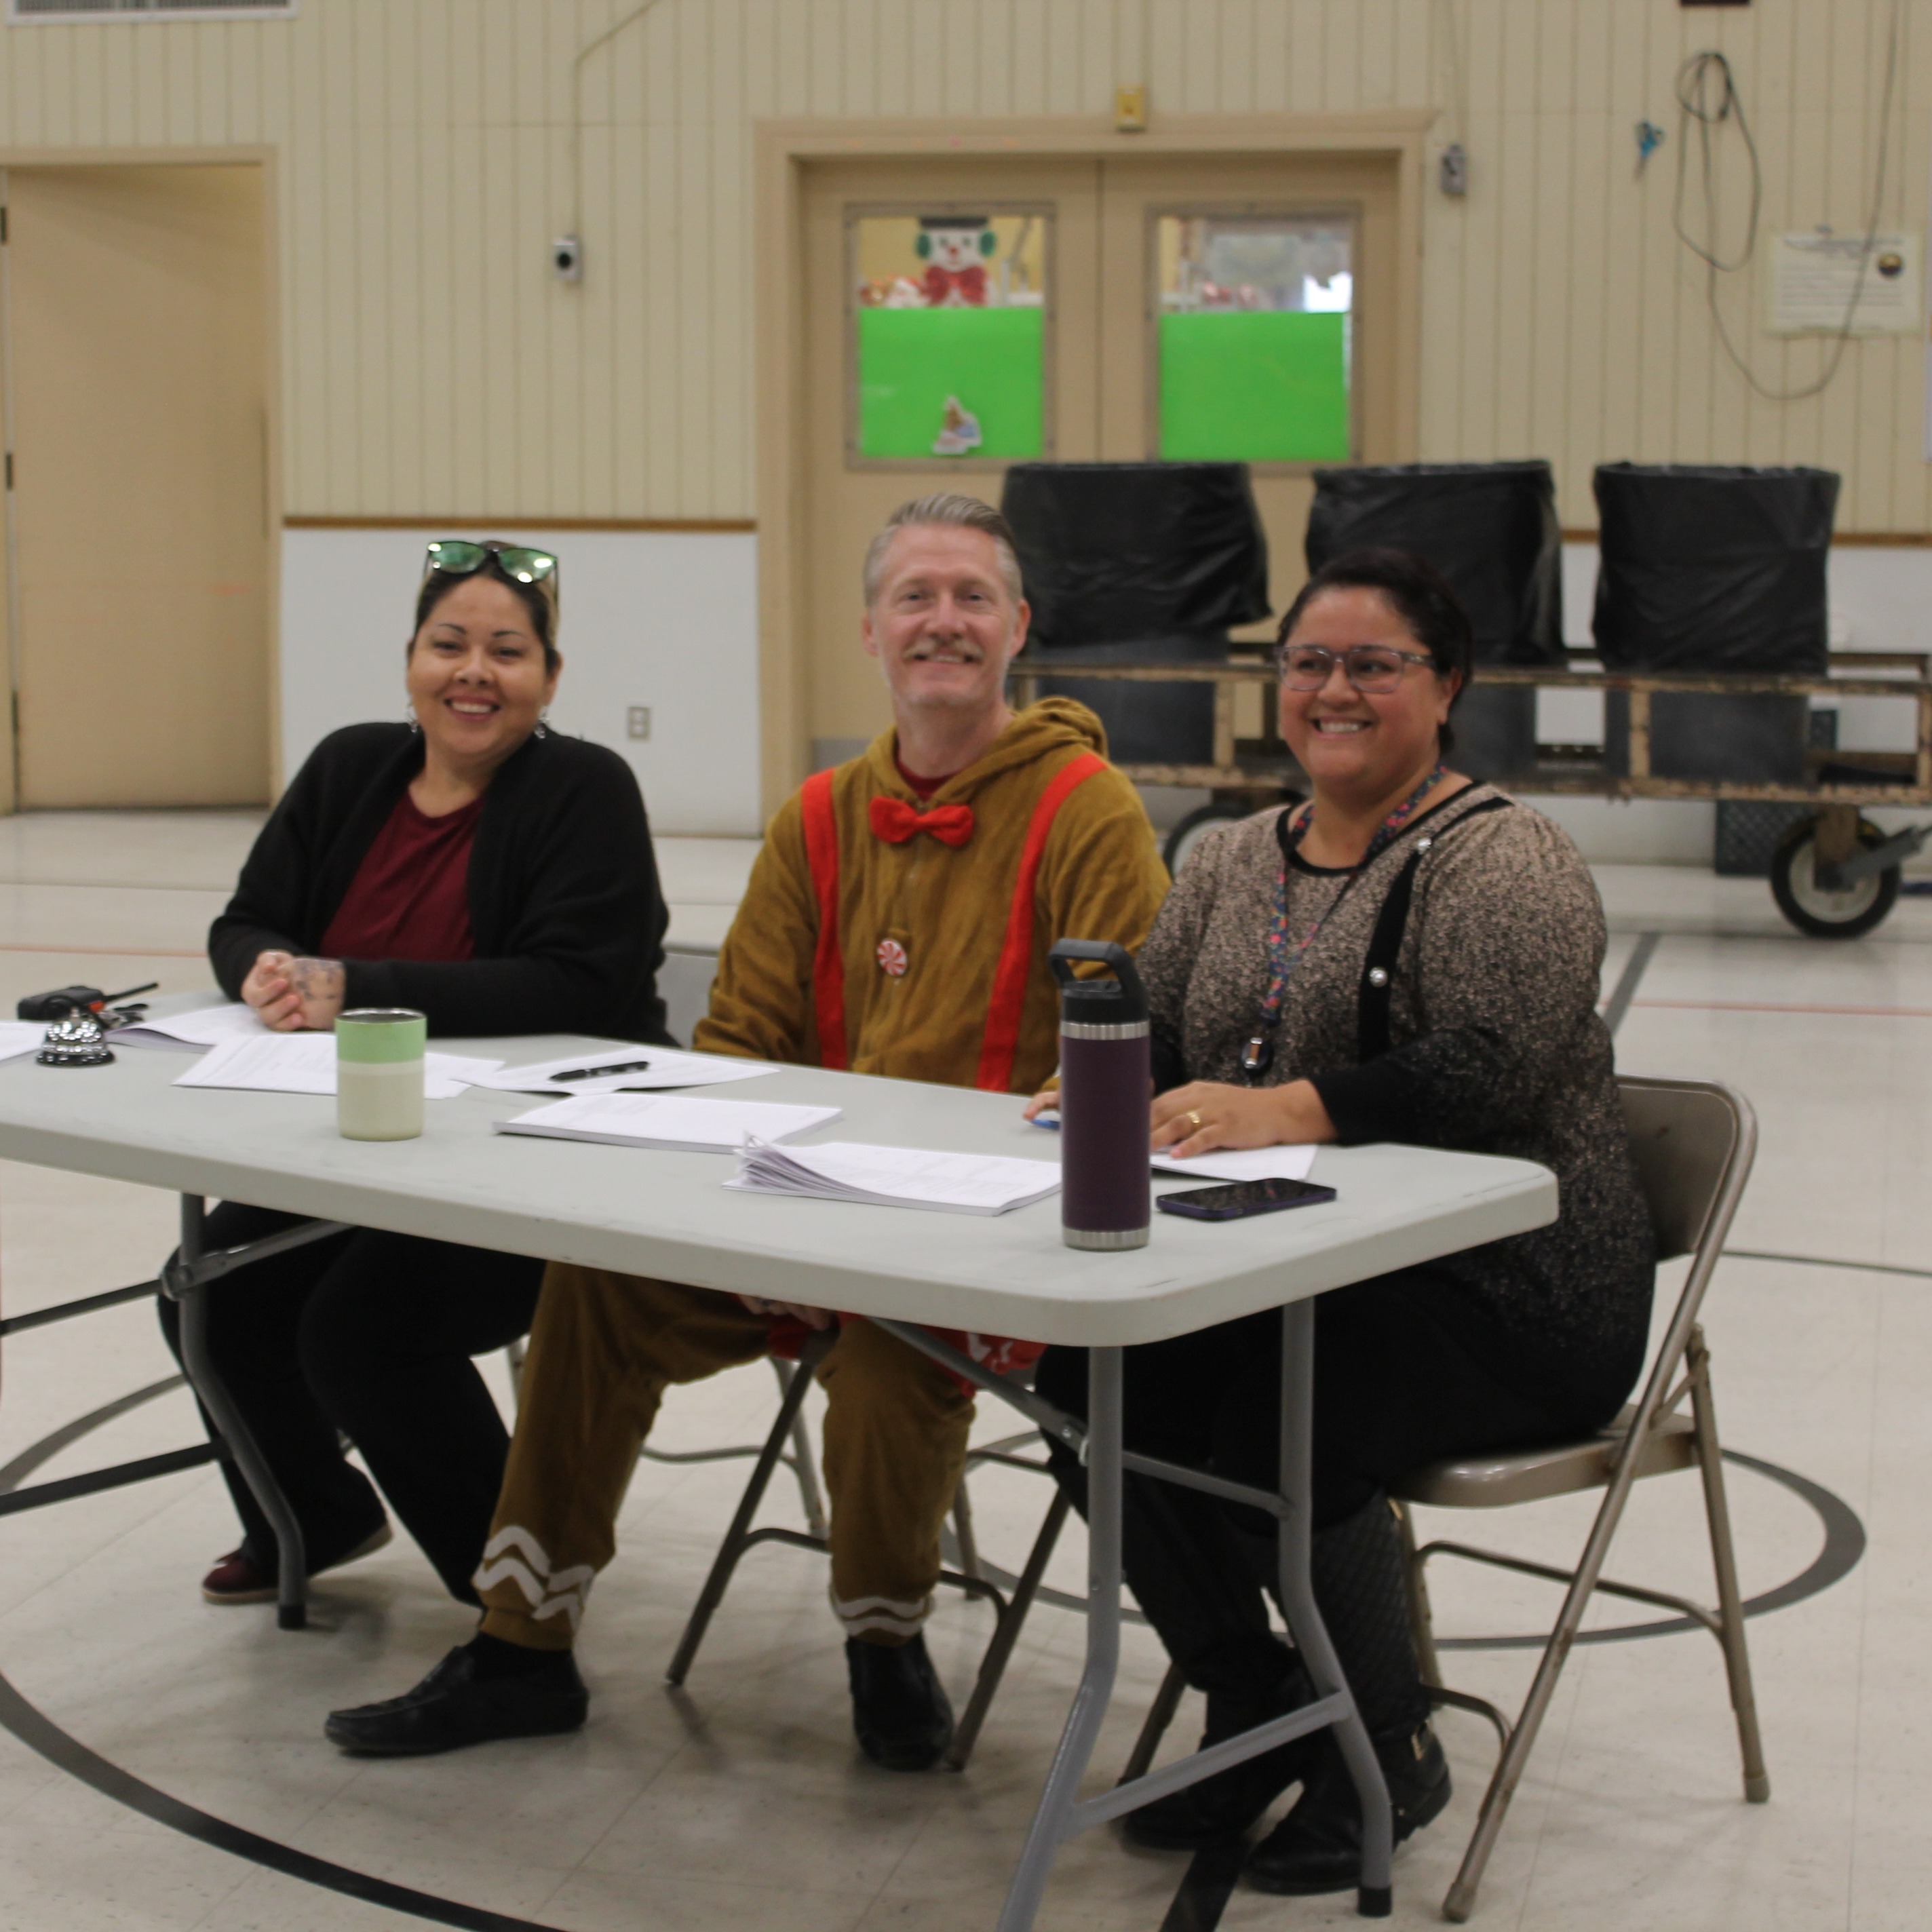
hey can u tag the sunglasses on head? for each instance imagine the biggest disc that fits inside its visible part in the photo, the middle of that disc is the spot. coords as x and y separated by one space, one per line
456 557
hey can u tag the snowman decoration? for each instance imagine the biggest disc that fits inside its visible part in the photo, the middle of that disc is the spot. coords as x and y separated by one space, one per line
955 249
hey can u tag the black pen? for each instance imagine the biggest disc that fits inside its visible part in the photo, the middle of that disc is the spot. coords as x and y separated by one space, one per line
602 1072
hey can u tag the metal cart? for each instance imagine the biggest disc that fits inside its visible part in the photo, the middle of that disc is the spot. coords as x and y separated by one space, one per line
1834 875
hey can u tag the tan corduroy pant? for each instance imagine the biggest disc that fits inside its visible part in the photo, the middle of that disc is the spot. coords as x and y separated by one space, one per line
603 1350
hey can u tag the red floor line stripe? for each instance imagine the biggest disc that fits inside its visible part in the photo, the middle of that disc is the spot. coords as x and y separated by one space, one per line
1767 1006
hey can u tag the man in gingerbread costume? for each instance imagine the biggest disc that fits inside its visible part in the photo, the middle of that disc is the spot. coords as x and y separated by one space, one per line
897 922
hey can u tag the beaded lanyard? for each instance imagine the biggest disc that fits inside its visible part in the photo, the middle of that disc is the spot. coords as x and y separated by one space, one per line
1258 1055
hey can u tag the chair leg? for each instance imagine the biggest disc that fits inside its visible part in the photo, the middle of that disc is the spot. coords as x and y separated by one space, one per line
513 1356
1421 1617
1723 1558
802 1466
736 1537
1006 1629
1461 1899
962 1530
1160 1714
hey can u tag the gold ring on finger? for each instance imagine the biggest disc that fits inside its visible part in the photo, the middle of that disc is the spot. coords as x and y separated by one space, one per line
1194 1120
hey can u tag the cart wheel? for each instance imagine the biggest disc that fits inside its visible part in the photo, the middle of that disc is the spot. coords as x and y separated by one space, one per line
1809 907
1185 836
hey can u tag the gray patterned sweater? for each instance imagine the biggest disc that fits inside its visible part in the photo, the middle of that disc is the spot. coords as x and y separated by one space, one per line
1495 1045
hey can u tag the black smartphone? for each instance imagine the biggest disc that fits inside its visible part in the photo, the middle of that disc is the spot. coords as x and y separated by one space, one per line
1240 1198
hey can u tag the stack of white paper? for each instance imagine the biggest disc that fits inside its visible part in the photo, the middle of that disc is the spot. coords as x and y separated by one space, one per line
660 1120
626 1070
887 1177
305 1063
1267 1163
205 1027
20 1036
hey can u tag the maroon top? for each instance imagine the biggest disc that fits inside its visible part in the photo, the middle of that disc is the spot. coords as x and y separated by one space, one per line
409 899
922 788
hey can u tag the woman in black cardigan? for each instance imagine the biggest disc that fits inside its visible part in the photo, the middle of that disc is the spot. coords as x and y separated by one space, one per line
500 879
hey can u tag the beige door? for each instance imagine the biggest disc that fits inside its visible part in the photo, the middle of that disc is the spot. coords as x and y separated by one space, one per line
861 221
1102 267
137 358
1357 196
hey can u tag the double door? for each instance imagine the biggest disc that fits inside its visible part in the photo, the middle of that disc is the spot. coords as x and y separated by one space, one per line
962 314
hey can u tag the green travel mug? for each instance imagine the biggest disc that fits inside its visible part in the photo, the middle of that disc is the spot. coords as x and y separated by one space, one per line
378 1073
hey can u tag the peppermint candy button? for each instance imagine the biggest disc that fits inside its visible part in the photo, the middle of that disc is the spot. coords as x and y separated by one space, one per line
892 959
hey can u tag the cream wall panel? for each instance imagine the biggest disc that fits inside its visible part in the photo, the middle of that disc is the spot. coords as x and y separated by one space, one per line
432 365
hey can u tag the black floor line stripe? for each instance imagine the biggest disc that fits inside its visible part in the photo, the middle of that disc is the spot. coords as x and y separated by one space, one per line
1838 1555
1206 1888
1826 1261
13 1473
40 1733
1629 980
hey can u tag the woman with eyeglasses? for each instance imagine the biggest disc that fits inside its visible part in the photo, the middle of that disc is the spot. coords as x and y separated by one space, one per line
1408 957
499 878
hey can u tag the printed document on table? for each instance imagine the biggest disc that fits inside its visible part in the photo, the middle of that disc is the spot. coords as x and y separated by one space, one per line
667 1120
20 1036
305 1063
634 1069
205 1027
1267 1163
890 1176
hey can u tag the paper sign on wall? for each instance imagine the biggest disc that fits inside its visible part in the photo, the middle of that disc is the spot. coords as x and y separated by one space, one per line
1812 278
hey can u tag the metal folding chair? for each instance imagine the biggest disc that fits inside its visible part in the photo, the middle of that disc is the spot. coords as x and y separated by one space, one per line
1009 1607
1693 1144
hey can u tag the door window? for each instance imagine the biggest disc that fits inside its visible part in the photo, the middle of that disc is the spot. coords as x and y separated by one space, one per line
948 319
1253 318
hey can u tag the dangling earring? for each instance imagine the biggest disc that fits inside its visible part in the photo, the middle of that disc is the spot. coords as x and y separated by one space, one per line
410 718
543 722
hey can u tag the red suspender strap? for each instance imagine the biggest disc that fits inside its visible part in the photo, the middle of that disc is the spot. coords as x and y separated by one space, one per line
828 963
1001 1044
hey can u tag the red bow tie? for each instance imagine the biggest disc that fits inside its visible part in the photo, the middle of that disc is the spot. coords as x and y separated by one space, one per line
895 821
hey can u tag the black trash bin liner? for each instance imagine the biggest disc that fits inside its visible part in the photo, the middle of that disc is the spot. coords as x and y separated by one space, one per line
1714 568
1489 528
1139 563
1113 553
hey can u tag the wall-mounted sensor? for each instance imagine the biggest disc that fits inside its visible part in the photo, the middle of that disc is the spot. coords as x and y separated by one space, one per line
566 259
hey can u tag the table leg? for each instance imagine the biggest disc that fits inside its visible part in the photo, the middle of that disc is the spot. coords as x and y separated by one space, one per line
292 1596
1374 1895
1052 1820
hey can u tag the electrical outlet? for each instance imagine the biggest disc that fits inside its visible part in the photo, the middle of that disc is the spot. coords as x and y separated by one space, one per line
637 721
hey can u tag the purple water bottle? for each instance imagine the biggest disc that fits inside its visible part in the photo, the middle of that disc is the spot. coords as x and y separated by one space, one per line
1105 1072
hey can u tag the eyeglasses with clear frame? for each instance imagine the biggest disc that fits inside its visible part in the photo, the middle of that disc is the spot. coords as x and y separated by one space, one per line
1377 669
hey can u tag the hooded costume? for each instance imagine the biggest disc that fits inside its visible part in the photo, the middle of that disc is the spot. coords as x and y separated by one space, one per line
886 935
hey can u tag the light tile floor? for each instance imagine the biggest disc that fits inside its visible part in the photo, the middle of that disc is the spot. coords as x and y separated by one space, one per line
741 1801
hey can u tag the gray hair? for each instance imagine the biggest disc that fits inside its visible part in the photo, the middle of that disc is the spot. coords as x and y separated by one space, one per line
946 509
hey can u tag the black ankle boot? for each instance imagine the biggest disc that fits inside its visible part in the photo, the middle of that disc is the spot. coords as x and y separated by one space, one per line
1318 1847
900 1711
1226 1805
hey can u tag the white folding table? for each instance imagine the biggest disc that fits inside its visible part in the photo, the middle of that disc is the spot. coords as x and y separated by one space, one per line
667 1214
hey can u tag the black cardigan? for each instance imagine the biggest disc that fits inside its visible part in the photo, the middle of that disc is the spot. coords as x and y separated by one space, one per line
564 904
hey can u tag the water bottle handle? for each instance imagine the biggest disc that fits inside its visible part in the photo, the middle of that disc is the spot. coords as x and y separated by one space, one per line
1102 952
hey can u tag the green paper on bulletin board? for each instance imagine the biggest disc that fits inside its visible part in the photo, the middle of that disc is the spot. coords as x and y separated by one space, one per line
910 360
1256 386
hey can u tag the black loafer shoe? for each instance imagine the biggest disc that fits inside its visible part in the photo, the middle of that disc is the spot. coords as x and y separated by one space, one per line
899 1707
450 1708
1225 1805
1318 1847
